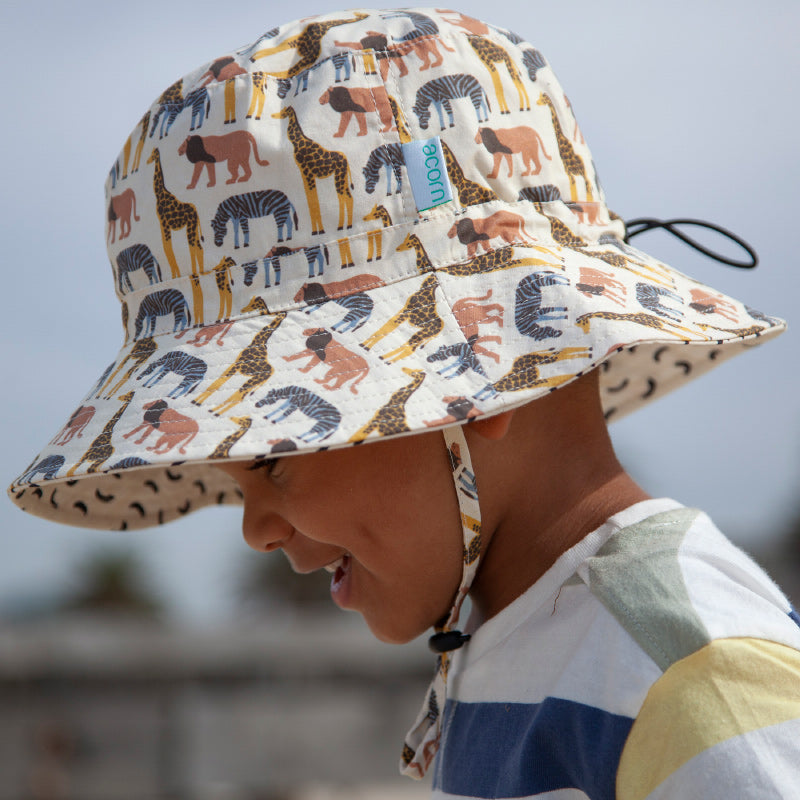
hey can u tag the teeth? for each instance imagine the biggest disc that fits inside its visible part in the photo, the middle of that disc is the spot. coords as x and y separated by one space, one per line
334 565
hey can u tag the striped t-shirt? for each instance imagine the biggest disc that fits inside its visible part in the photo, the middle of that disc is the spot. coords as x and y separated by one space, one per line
653 660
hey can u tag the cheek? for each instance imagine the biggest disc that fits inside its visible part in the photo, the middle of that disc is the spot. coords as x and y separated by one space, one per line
411 597
423 559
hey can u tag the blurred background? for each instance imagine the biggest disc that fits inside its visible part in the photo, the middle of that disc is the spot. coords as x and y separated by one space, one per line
177 664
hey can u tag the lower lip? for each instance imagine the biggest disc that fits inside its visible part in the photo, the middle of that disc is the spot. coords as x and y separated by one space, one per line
340 583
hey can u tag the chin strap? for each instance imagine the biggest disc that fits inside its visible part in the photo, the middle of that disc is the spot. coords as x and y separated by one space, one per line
422 741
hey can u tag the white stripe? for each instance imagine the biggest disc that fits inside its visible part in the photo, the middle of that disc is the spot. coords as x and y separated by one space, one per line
764 763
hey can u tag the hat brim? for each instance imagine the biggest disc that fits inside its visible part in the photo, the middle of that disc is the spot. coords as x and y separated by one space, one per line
433 348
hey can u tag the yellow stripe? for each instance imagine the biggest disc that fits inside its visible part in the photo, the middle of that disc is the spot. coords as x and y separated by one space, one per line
725 689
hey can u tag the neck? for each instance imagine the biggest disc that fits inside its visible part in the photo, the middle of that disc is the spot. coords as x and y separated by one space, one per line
549 482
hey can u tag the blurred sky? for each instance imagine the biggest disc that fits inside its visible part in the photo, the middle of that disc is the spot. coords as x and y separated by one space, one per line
689 108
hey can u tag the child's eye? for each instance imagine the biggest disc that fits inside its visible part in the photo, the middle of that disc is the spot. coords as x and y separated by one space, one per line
265 464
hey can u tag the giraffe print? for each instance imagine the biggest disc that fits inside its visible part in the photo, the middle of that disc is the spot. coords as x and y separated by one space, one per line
223 449
501 258
175 215
197 302
252 363
139 353
307 44
639 318
224 69
403 133
419 311
573 163
375 237
469 192
492 54
259 93
752 330
315 161
222 276
101 449
390 418
524 372
137 155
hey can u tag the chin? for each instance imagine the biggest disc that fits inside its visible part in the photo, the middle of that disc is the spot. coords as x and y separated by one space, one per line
395 632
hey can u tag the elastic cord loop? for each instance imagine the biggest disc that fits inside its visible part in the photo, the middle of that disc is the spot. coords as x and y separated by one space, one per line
636 226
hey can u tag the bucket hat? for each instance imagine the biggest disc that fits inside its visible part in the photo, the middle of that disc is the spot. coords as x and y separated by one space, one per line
364 224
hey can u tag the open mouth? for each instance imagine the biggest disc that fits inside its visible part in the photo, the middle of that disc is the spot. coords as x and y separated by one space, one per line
341 570
334 565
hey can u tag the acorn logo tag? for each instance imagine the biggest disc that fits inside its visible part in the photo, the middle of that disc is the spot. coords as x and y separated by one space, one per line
427 173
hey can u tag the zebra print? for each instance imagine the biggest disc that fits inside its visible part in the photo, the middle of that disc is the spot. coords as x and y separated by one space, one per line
191 369
241 208
649 297
540 194
251 48
340 61
113 174
161 304
359 309
533 61
390 157
135 257
101 380
440 91
614 241
465 359
197 100
761 316
48 467
423 26
528 309
512 37
273 258
130 461
296 398
317 256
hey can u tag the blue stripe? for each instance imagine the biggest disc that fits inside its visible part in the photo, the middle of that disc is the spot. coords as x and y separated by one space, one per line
495 750
793 615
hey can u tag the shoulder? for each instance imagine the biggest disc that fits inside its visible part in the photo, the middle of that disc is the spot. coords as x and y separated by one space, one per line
723 718
675 583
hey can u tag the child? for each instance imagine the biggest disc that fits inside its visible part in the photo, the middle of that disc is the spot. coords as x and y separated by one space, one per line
377 223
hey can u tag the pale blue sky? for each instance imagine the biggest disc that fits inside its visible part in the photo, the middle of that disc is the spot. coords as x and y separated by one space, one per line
689 110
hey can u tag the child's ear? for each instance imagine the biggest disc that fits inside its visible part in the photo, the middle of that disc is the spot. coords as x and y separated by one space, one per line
494 427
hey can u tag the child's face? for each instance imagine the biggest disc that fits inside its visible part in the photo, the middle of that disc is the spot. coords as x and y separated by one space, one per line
383 515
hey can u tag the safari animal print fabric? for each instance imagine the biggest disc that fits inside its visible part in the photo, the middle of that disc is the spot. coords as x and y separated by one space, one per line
282 292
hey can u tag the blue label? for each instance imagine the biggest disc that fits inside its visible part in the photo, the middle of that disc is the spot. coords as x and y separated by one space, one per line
427 173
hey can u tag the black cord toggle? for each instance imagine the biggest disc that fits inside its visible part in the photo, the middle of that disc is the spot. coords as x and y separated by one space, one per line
636 226
448 640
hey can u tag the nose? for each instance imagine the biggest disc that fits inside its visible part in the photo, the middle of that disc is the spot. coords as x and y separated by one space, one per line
265 531
263 527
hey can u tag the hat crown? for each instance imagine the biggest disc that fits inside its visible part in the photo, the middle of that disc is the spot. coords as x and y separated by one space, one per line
249 175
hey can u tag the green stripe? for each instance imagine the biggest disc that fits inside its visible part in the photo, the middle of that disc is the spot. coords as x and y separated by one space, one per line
637 577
